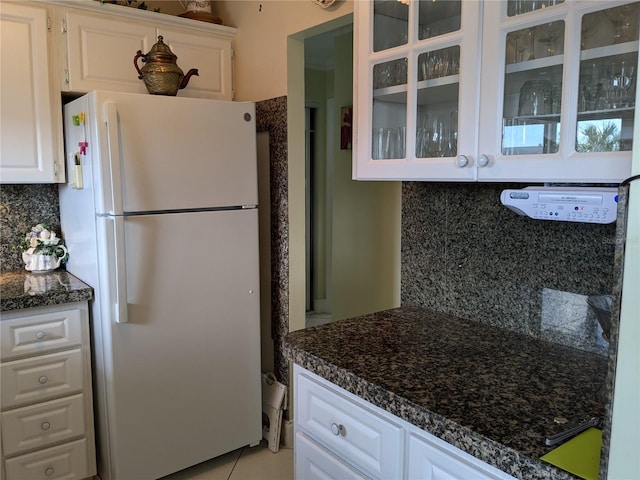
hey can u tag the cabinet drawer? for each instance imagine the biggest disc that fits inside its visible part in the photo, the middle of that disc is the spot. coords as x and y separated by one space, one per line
432 458
43 424
314 462
68 461
42 333
40 378
360 435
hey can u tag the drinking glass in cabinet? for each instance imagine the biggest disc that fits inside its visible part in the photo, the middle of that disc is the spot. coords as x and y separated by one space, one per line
439 63
390 74
550 34
520 46
388 143
625 22
544 40
518 7
390 24
607 85
437 135
533 89
610 27
438 18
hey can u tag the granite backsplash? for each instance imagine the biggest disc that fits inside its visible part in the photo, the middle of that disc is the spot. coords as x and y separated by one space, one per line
465 254
22 207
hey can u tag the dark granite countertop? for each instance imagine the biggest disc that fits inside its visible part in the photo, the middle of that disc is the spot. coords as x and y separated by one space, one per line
21 289
490 392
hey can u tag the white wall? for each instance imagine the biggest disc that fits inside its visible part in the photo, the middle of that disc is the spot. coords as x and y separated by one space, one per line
365 272
260 64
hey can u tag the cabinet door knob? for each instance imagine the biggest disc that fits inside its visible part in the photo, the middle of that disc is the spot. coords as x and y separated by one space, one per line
49 471
43 379
462 161
482 161
45 426
40 334
337 429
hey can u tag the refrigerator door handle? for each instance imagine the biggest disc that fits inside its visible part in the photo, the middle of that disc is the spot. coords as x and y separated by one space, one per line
119 271
111 119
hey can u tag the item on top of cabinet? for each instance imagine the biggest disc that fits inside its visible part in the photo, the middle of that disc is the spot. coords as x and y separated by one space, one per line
42 250
131 3
324 3
161 74
199 10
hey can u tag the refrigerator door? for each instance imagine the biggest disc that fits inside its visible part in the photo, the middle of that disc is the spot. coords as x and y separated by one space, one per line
162 153
185 384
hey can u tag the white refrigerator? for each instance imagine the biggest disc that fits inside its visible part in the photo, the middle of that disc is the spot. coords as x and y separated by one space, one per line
160 218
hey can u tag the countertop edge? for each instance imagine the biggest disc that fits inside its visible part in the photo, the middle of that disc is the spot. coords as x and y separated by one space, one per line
493 453
21 290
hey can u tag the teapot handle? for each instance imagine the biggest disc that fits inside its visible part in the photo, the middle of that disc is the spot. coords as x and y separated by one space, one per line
135 62
64 249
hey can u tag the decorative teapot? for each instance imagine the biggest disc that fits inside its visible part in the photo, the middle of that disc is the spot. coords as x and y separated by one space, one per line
40 262
161 74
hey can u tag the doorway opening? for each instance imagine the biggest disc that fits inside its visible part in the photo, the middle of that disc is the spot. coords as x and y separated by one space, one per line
351 228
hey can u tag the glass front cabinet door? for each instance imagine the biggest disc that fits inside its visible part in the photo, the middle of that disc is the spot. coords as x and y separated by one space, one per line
510 90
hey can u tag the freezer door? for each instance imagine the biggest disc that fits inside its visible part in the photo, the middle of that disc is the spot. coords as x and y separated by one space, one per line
186 367
171 153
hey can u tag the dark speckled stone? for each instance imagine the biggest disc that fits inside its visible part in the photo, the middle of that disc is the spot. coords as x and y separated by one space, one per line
465 254
488 391
22 207
271 116
21 289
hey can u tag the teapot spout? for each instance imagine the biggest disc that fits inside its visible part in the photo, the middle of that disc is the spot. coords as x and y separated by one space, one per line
185 80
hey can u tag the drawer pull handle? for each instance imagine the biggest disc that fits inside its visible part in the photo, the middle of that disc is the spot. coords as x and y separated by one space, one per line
43 379
40 334
49 471
337 429
45 426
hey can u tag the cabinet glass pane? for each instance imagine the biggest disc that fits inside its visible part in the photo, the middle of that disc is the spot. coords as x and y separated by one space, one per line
437 110
389 110
533 90
608 70
518 7
438 18
390 24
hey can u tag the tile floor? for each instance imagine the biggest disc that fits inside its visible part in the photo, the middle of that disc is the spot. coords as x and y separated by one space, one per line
248 463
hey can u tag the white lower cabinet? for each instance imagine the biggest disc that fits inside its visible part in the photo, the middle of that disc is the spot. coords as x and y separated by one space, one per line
339 435
46 398
315 463
433 459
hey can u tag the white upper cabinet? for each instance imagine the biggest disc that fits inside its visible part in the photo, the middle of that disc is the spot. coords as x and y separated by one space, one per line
101 41
53 46
517 90
31 150
100 50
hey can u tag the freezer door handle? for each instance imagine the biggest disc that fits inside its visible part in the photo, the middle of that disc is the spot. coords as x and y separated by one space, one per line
119 271
111 119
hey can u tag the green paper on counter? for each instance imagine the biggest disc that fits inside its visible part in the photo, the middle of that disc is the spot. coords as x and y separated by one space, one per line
580 455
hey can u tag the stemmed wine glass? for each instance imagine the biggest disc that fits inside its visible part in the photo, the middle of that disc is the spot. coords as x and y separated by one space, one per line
551 33
519 44
620 18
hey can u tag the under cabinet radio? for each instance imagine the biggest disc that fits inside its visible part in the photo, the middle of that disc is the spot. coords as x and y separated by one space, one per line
564 204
